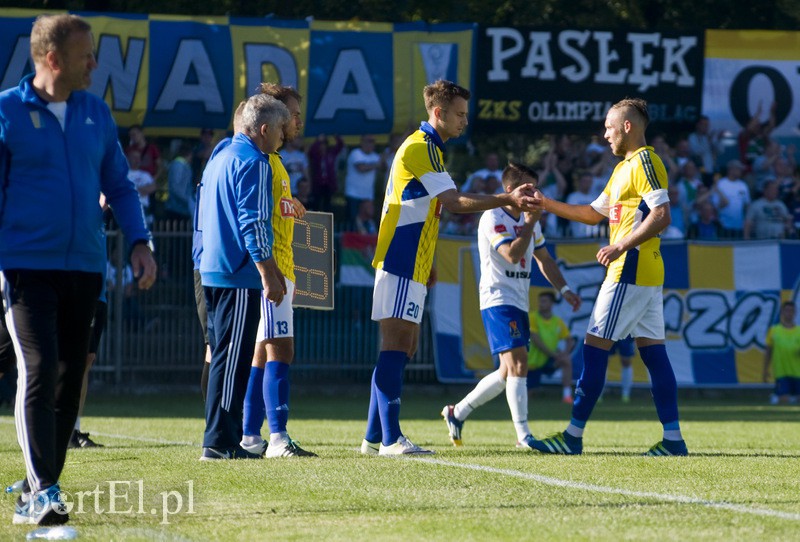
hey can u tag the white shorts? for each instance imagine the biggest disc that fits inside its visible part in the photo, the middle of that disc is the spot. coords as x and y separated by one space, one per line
626 309
397 297
277 322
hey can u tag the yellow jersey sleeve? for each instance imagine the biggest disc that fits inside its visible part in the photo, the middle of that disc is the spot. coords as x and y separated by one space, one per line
282 217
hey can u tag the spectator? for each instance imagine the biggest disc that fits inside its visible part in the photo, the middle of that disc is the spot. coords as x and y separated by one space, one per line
491 169
737 194
752 140
683 153
704 145
776 157
679 212
362 167
788 181
553 184
365 219
583 196
201 153
149 153
180 203
143 181
322 157
768 217
688 184
295 161
665 152
707 227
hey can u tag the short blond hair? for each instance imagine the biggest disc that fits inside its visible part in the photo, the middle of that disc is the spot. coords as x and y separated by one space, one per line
51 32
635 105
442 93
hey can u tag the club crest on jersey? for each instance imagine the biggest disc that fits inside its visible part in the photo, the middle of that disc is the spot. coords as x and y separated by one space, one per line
287 207
517 229
513 330
614 213
500 228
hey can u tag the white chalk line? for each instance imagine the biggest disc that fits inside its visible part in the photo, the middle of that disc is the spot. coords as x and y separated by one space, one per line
546 480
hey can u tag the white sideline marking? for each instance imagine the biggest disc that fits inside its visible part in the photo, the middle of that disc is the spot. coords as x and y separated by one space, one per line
548 480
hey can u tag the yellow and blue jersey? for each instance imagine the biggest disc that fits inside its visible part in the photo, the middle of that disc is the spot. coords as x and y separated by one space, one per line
411 211
282 217
637 185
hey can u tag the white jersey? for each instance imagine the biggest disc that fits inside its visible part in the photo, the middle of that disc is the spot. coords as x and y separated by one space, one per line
504 283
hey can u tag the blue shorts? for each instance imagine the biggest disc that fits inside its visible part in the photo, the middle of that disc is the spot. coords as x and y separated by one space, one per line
535 375
626 348
787 385
507 327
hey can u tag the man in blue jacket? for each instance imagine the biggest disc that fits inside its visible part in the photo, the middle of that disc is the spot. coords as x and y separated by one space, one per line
58 152
235 220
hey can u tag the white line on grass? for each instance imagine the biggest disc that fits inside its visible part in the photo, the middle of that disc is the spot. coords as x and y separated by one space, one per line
151 440
548 480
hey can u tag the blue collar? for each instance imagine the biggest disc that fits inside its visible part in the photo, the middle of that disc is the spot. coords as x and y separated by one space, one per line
434 135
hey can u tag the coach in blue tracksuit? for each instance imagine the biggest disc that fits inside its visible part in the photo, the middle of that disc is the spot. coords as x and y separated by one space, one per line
58 151
236 264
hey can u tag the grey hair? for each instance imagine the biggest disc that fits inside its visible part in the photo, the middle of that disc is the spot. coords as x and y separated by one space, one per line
263 109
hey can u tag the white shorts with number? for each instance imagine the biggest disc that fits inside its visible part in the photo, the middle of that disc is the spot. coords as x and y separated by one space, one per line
277 322
628 309
397 297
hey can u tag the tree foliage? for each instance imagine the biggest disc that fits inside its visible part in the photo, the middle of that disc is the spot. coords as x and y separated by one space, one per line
644 14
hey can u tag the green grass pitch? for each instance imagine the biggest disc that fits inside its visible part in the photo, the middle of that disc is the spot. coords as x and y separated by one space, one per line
740 483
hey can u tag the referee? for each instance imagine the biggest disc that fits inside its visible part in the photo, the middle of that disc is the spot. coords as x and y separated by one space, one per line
58 151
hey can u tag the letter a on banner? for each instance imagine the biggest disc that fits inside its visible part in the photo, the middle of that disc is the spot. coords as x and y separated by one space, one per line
350 66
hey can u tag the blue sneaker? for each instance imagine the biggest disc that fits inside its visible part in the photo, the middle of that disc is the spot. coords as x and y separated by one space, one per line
560 443
454 425
668 447
44 507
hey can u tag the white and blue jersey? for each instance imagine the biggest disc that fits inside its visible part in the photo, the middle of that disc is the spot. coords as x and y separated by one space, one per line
504 285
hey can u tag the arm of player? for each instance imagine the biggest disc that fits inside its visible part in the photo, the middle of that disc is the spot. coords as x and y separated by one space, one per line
579 213
272 280
658 220
549 268
767 363
514 251
521 197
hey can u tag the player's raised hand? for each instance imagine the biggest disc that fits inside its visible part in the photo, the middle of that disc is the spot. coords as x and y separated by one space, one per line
525 198
573 299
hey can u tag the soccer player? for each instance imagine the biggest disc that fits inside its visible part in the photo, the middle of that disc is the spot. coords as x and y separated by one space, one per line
783 352
237 262
418 188
268 386
544 357
506 251
630 300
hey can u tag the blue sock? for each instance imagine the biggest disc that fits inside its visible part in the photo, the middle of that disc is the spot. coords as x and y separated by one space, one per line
254 403
388 387
590 384
374 433
276 395
664 388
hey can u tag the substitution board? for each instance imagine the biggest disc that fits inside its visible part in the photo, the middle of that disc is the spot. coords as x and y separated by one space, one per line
313 261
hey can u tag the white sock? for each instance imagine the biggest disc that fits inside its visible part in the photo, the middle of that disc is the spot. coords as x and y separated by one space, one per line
78 423
574 430
673 434
249 440
517 397
567 393
489 387
277 438
627 381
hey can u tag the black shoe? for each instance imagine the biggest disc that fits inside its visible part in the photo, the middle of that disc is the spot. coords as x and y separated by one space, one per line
82 440
237 452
